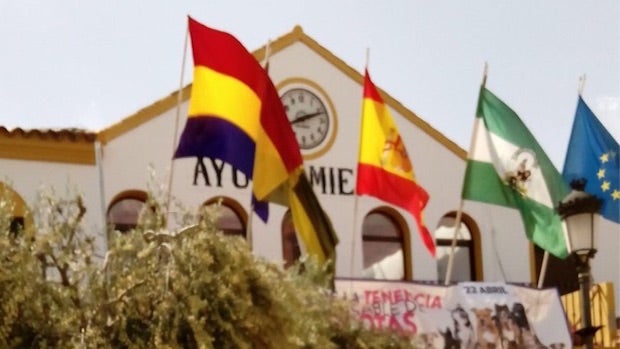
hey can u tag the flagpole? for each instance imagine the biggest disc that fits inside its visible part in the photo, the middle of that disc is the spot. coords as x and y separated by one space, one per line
250 225
248 229
545 261
457 231
267 56
176 124
457 223
354 236
102 201
356 204
543 270
582 83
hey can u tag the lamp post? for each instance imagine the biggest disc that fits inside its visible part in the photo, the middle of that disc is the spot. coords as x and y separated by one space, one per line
580 212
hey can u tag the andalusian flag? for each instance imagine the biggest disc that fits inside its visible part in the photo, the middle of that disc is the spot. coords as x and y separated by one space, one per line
594 155
507 167
384 169
235 114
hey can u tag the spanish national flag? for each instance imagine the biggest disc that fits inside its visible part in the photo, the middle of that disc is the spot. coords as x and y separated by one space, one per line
235 115
384 169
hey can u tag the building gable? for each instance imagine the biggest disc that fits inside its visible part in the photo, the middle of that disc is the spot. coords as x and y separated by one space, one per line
296 35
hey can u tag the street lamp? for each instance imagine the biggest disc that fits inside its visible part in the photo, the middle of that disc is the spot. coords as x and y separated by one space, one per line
580 213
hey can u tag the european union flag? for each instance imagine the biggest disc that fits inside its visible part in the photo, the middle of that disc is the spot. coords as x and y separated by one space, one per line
593 154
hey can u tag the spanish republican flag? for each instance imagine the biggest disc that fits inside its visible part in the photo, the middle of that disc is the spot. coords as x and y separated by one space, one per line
384 169
235 115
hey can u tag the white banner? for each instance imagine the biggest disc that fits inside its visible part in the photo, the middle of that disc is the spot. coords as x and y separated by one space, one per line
467 315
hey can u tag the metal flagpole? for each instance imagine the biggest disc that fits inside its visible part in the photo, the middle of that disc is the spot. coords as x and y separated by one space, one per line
176 125
267 56
102 201
248 228
455 236
543 270
353 237
457 225
545 262
582 83
356 204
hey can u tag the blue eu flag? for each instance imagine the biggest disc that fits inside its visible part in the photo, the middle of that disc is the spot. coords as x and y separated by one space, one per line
593 154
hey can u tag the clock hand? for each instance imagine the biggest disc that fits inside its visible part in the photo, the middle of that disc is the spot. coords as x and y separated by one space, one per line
306 117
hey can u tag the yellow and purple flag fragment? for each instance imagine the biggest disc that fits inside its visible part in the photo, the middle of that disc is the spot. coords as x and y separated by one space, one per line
235 115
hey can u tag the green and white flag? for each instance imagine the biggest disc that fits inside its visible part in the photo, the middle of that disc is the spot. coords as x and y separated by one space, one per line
506 166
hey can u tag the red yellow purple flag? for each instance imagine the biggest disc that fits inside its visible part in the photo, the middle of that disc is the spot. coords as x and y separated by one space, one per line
236 115
384 169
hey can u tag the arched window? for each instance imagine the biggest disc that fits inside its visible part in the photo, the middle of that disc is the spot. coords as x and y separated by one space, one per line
467 260
232 218
290 245
124 210
385 245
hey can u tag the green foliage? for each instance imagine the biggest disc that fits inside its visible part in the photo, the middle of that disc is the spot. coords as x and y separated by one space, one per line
195 288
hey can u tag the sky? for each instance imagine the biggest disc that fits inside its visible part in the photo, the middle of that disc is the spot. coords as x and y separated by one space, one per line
89 64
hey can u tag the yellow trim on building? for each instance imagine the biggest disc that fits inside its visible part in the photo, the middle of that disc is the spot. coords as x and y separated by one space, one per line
52 149
143 115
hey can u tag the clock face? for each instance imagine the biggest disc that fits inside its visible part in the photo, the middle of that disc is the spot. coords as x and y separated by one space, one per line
308 116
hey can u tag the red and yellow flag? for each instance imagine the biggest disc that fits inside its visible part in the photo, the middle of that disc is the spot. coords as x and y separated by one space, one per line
236 115
384 169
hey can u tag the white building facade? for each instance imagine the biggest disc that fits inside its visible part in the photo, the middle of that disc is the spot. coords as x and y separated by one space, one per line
110 168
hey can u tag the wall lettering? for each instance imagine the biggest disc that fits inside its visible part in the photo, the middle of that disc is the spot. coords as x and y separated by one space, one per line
201 169
332 180
325 180
240 180
216 169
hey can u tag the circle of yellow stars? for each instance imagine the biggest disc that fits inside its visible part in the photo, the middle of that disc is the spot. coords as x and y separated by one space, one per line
605 184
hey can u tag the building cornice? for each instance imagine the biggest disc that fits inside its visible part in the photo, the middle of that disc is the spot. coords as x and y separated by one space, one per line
67 146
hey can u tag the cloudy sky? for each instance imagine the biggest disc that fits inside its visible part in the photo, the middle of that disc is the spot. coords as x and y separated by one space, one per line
88 64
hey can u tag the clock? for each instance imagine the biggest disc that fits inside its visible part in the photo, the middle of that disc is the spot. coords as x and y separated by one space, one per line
311 115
